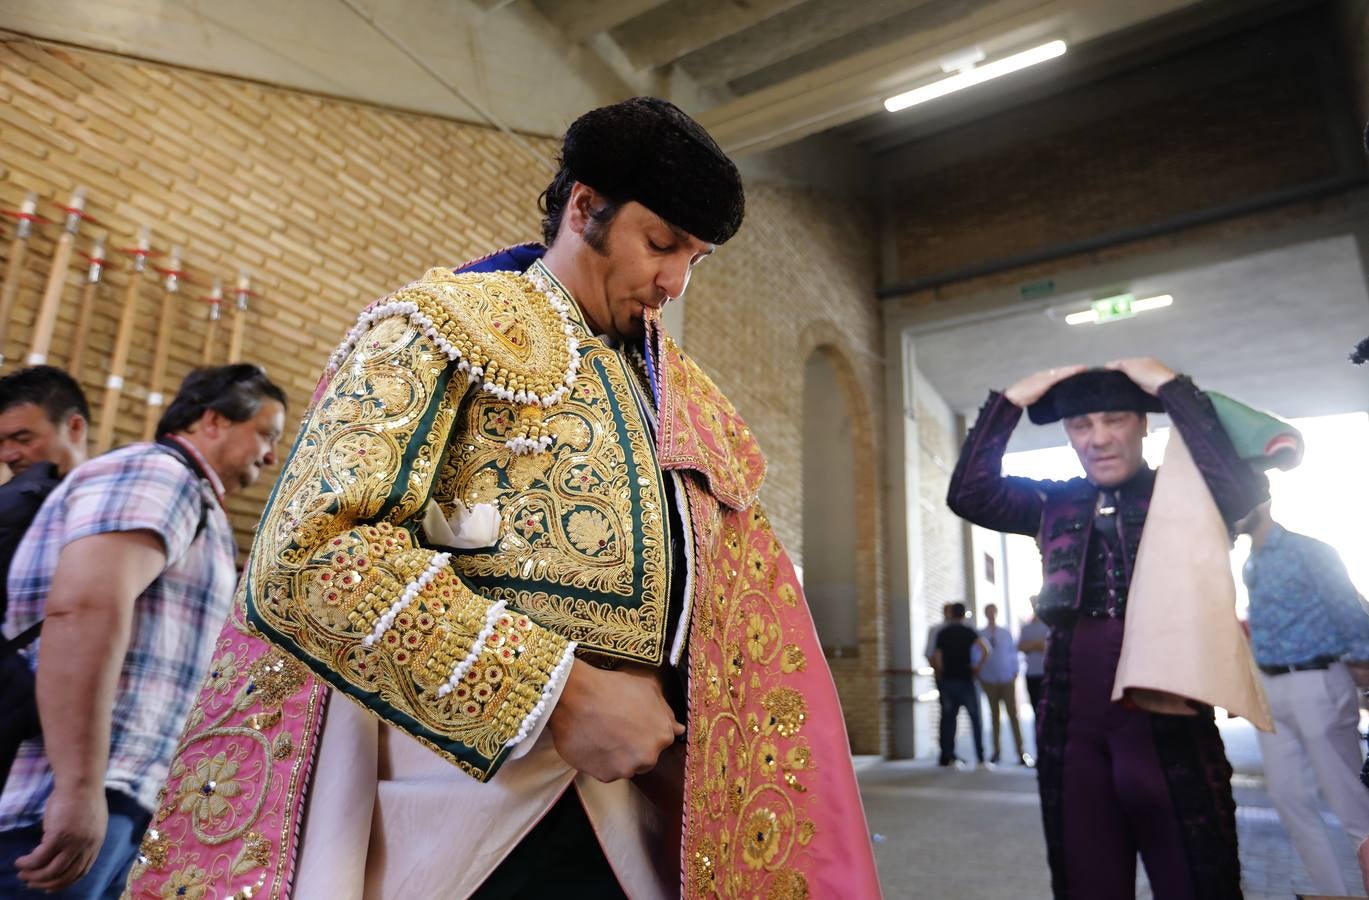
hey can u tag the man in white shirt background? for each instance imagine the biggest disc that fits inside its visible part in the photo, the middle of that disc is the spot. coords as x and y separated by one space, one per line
998 677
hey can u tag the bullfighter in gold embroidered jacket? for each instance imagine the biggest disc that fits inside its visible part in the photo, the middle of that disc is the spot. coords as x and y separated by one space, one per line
519 530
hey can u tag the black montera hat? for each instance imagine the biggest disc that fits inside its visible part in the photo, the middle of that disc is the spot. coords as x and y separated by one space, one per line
647 150
1093 390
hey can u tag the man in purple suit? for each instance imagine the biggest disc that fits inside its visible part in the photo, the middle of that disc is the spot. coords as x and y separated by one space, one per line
1115 781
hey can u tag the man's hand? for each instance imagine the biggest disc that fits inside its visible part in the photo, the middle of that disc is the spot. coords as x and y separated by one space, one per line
74 826
1149 373
612 725
1030 389
1359 672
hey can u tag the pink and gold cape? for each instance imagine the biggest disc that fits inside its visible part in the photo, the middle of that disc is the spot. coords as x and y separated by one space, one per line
770 804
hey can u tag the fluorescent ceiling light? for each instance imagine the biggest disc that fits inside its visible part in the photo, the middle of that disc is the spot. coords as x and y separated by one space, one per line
1111 309
1150 303
975 75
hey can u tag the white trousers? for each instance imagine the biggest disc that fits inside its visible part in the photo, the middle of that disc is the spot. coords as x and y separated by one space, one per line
1316 744
388 818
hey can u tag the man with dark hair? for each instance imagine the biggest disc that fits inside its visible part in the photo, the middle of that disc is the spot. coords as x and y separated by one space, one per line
130 567
1114 780
44 418
515 587
957 666
44 421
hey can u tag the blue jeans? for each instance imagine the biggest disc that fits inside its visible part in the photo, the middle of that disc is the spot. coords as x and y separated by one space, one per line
127 821
955 693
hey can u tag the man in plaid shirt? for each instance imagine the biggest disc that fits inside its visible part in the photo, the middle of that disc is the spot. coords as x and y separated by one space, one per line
130 564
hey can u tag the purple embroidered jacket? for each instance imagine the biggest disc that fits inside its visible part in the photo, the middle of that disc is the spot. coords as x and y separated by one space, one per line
1059 514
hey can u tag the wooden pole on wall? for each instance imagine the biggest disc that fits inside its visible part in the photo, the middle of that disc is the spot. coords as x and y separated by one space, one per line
166 322
80 339
211 328
123 339
14 262
57 281
244 290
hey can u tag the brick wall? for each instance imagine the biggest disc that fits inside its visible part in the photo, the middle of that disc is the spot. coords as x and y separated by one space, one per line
327 203
799 278
1209 127
943 543
331 203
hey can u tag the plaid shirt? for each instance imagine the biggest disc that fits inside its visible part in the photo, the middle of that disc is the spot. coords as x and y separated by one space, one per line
139 487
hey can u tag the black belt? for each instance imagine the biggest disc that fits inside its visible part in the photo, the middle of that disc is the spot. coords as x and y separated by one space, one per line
1321 662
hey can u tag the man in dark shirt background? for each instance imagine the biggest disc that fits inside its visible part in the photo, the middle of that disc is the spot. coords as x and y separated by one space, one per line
44 421
956 671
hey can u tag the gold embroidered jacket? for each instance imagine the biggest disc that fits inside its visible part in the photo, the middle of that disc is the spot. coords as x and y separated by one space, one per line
464 390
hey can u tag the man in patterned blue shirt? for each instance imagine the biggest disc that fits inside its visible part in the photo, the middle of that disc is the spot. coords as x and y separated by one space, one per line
1305 621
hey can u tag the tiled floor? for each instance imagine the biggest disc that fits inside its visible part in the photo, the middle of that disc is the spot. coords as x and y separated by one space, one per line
943 834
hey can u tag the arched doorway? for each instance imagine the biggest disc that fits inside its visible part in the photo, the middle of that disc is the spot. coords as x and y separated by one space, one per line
829 508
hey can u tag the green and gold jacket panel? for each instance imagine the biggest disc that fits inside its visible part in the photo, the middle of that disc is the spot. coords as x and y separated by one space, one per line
338 575
584 545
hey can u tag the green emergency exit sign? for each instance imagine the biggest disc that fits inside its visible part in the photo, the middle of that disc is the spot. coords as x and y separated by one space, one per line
1110 309
1035 290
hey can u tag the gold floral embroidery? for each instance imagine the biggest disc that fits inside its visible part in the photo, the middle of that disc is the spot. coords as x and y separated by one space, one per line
590 532
223 672
747 720
205 792
227 800
272 678
185 883
262 721
762 838
152 850
768 759
787 712
787 884
255 853
703 869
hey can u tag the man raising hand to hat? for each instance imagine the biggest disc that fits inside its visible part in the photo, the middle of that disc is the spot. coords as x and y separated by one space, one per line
1114 780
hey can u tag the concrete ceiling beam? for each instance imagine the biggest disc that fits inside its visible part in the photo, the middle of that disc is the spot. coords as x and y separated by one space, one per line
855 87
790 34
667 33
580 20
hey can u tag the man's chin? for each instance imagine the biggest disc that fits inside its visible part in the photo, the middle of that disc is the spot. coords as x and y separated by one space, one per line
1108 478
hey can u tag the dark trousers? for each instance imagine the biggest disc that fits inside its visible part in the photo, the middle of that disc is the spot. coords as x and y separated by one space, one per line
957 693
560 857
127 821
1034 692
1132 782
